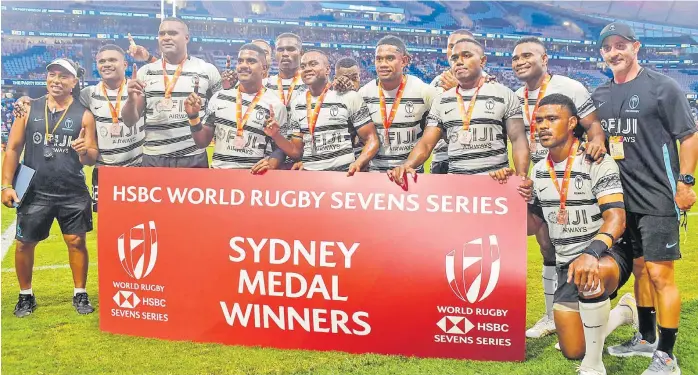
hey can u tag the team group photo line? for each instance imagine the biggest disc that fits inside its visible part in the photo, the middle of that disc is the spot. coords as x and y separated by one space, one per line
628 151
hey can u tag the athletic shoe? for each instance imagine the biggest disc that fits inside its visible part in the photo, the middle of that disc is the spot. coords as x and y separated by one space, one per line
25 305
545 326
82 304
662 364
557 346
630 311
636 346
583 370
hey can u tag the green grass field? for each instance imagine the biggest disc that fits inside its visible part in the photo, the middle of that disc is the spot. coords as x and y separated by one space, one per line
55 340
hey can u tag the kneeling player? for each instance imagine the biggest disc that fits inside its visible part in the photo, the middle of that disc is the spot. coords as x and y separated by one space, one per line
583 205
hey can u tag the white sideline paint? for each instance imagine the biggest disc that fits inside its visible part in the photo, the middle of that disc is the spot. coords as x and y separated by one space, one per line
49 267
8 237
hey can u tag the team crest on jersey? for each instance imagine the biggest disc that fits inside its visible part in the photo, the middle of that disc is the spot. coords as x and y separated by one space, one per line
334 111
579 182
634 102
489 106
552 217
68 124
409 107
103 131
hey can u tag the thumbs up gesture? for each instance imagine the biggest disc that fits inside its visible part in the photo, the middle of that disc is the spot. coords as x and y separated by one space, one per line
229 76
79 144
135 87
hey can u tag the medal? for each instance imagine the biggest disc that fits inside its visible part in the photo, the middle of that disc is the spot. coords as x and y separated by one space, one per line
286 99
115 128
533 146
313 114
532 117
562 190
166 103
241 120
465 136
239 142
615 144
387 121
48 151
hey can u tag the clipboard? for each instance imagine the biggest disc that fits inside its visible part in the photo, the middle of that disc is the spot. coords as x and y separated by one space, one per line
22 182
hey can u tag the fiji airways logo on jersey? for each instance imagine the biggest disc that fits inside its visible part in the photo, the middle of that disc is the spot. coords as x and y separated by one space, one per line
625 127
59 143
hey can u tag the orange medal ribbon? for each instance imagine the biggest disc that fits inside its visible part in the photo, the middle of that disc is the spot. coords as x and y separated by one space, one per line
387 121
287 99
240 119
114 109
467 116
562 213
532 117
313 114
169 85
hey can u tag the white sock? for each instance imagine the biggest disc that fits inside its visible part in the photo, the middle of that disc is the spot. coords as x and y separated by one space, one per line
549 286
26 291
616 319
594 318
79 290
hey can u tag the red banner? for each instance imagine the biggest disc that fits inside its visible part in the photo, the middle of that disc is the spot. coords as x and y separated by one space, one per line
315 260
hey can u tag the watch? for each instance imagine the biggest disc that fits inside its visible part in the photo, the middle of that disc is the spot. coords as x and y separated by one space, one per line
687 179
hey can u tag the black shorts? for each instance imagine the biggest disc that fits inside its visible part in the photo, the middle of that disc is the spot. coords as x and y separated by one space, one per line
192 161
654 237
34 220
569 293
439 167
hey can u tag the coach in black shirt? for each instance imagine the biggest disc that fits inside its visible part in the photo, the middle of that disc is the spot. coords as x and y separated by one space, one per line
57 137
644 113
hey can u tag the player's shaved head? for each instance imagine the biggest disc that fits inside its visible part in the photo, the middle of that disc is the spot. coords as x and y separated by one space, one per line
315 52
479 46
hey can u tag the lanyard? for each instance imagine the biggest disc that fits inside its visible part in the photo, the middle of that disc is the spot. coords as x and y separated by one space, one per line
169 85
396 103
59 120
532 117
313 114
287 99
562 190
467 116
240 119
114 110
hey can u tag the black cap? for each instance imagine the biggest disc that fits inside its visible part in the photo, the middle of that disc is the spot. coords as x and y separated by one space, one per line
617 28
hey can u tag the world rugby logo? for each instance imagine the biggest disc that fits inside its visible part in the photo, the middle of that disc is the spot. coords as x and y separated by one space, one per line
142 248
476 263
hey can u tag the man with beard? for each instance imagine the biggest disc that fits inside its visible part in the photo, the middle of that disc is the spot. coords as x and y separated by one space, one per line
475 133
57 138
321 119
243 120
644 114
530 64
159 92
399 104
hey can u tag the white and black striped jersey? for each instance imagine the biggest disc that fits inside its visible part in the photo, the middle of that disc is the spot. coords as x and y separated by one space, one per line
124 149
557 85
407 126
167 132
487 152
221 115
339 112
588 183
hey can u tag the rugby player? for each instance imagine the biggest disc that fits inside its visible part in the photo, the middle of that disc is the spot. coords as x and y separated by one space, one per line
159 91
398 103
644 114
475 131
530 64
57 138
239 118
347 76
321 119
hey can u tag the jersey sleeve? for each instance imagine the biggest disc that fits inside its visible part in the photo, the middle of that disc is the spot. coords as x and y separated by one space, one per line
512 105
215 83
605 178
85 94
435 118
674 109
429 94
210 112
282 117
582 100
294 126
142 72
358 110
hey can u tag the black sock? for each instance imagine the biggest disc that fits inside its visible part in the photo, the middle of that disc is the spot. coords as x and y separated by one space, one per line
648 323
667 338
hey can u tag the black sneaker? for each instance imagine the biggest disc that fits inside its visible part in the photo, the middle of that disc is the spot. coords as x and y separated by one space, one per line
25 306
82 304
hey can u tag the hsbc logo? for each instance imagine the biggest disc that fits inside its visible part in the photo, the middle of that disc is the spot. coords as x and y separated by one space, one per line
458 325
138 251
465 270
126 299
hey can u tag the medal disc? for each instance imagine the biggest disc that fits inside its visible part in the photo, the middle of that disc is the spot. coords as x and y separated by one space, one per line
562 217
48 152
166 104
465 137
239 142
115 129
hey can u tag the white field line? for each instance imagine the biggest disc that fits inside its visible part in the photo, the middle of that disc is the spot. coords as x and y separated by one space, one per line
8 237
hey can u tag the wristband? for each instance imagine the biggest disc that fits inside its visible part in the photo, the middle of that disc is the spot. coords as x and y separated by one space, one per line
194 121
5 187
613 240
595 249
196 128
193 117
